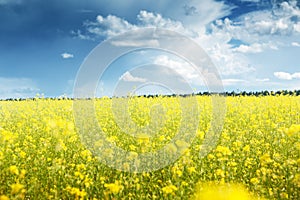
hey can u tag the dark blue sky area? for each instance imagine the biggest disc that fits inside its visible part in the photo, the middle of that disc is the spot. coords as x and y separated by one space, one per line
39 20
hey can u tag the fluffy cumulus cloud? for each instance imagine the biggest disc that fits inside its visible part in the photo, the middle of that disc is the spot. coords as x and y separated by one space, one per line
183 69
108 26
215 44
262 26
128 77
254 33
287 76
67 55
111 25
193 14
255 47
295 44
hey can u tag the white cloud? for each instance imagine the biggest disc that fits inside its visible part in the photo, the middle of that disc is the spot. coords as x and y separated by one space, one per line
79 34
251 27
283 75
255 48
258 32
253 1
196 14
17 88
149 19
295 44
216 43
67 55
185 72
181 67
129 78
297 27
296 75
226 59
287 76
262 80
112 25
135 43
271 26
107 26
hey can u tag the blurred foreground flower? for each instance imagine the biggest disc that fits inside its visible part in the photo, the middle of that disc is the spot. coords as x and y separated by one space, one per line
214 191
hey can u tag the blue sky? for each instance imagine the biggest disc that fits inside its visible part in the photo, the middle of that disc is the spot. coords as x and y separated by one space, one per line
255 44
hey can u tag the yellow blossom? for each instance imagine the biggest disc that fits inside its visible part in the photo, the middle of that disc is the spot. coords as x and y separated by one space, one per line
191 170
14 169
254 181
4 197
16 188
222 192
169 189
114 187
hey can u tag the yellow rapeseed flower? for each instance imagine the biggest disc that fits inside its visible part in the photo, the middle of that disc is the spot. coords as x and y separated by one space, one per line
16 188
114 187
226 192
246 148
76 191
265 159
191 170
170 189
224 150
14 169
4 197
22 174
294 129
220 173
254 181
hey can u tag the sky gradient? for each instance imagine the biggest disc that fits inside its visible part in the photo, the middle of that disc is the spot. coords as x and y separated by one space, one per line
255 44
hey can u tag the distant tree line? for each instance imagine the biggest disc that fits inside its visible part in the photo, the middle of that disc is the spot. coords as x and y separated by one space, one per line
264 93
260 93
242 93
232 93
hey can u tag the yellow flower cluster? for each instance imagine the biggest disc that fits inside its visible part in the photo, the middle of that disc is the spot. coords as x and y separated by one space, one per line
114 188
169 189
213 191
256 156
